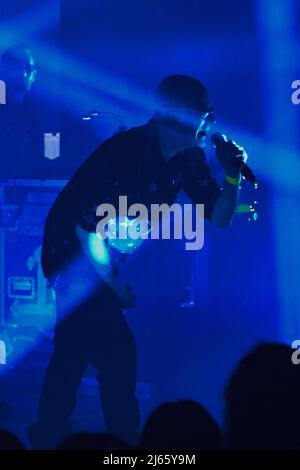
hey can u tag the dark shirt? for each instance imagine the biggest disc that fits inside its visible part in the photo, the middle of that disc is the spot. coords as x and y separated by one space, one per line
129 163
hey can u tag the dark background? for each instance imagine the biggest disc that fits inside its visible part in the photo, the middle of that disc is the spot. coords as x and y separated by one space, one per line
109 56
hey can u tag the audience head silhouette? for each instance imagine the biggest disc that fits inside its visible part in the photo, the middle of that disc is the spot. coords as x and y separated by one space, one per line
263 406
93 441
9 441
182 425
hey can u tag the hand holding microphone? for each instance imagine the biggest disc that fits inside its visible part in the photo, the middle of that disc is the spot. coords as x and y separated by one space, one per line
232 157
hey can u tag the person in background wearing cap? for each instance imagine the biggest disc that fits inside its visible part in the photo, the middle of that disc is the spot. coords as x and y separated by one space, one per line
149 164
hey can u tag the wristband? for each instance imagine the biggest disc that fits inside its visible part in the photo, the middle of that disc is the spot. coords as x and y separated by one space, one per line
234 181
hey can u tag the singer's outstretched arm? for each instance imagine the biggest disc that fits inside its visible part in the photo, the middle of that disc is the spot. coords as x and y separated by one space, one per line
225 204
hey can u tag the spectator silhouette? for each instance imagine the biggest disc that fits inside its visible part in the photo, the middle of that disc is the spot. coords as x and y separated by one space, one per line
182 425
93 441
263 400
10 442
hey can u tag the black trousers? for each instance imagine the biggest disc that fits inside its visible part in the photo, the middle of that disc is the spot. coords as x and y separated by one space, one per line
91 328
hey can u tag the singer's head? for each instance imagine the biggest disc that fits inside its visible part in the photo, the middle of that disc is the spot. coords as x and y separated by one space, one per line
183 105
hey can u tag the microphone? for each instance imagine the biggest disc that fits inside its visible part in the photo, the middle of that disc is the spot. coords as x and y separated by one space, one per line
219 140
